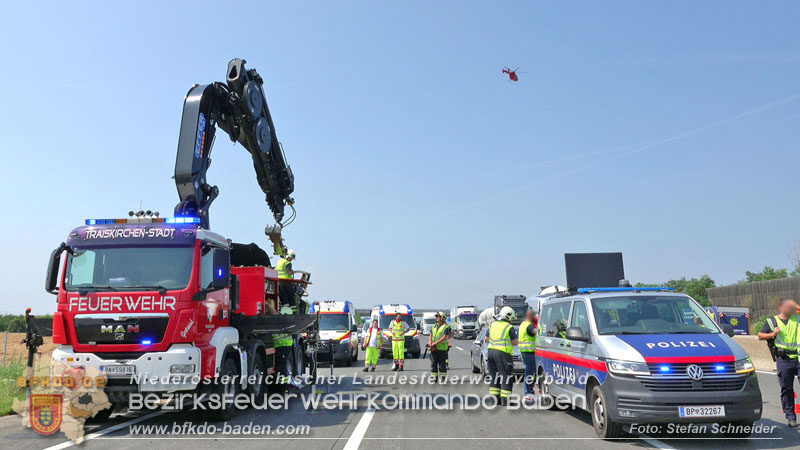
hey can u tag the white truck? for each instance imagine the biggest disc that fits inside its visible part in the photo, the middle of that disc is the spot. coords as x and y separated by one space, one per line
428 321
464 322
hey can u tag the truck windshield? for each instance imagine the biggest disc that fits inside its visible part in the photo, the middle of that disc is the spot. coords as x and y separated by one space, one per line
386 319
651 315
129 268
469 318
334 322
429 320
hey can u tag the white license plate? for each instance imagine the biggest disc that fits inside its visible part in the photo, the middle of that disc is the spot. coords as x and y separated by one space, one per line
701 411
118 370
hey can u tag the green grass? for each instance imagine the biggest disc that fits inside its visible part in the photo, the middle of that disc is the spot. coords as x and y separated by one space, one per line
8 386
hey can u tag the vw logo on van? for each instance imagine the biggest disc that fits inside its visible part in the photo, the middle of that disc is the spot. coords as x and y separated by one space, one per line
695 372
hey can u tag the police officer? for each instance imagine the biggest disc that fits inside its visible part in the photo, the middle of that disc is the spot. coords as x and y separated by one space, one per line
502 339
527 348
398 327
783 329
439 344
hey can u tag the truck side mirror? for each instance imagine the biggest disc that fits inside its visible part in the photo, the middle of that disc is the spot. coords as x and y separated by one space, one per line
51 279
727 329
222 269
576 334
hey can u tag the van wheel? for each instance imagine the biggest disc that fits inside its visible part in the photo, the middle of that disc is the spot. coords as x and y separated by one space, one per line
226 390
355 355
546 400
603 425
259 374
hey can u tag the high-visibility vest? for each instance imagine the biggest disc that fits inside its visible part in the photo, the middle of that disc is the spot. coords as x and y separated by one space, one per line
527 343
368 337
283 268
398 330
282 340
500 337
438 332
787 338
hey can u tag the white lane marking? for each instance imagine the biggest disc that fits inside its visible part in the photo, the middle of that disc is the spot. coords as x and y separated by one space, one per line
459 348
361 429
104 431
656 443
766 372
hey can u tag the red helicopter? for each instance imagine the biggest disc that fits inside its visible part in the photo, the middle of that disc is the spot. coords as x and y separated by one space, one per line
512 74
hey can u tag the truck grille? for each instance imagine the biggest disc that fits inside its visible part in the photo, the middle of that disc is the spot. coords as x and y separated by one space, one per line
130 328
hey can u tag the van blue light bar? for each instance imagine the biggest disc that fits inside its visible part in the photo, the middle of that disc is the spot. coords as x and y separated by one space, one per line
625 289
183 220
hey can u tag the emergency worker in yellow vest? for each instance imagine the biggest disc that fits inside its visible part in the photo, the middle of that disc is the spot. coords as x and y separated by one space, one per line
398 328
439 345
527 348
286 290
783 329
502 339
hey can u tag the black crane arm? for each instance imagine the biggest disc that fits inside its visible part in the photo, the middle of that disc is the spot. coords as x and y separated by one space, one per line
239 108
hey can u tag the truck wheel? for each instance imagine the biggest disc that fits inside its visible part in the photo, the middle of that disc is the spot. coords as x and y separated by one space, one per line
603 425
259 373
226 390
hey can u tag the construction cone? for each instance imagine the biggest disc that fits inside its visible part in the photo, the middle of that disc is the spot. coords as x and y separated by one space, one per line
796 405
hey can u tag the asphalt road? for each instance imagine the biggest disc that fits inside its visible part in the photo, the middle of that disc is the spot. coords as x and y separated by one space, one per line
394 429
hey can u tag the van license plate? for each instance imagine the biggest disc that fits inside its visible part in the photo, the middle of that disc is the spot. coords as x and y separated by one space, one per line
701 411
118 370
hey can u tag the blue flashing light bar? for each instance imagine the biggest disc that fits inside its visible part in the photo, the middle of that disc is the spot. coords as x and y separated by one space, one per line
147 342
100 221
177 220
665 369
624 289
719 368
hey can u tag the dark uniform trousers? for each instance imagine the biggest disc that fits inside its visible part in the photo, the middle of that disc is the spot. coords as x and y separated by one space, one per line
788 370
500 368
438 362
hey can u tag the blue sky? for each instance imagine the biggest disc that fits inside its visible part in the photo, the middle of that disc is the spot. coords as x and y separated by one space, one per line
667 131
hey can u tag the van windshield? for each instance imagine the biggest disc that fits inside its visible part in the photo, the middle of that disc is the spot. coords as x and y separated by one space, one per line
386 319
651 315
334 321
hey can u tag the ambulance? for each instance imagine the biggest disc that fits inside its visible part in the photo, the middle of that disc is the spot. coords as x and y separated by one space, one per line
385 314
632 355
337 330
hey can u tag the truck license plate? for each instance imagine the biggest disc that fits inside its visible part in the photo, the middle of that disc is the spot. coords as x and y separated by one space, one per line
118 370
701 411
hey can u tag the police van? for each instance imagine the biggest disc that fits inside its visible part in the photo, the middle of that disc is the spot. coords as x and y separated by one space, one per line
643 355
337 328
385 314
632 355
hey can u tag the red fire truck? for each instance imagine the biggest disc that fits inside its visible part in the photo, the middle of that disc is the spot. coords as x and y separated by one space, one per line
162 305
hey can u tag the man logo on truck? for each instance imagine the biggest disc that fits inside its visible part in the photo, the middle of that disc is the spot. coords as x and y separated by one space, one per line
119 329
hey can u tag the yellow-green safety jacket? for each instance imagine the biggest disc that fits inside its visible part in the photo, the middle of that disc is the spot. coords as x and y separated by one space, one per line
527 343
500 338
787 339
438 333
